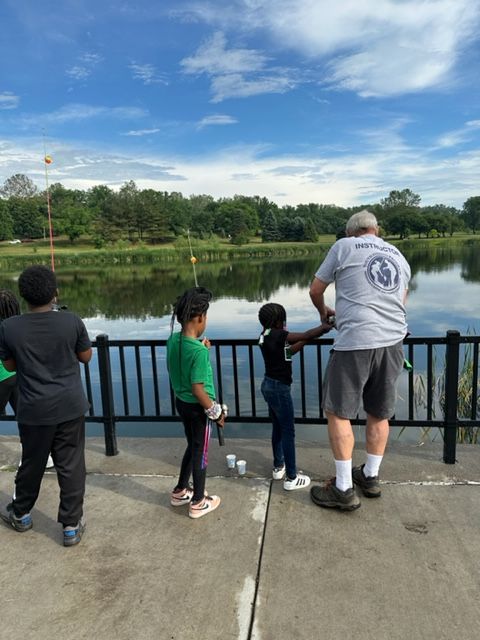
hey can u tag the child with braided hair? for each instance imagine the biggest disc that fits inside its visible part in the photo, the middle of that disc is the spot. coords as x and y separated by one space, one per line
191 377
278 345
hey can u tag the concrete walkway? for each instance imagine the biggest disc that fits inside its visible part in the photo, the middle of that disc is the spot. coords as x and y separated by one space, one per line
266 565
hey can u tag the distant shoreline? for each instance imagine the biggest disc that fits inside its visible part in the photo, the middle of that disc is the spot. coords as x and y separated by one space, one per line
14 257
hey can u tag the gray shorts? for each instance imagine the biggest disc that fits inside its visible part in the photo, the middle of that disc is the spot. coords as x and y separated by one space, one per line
367 376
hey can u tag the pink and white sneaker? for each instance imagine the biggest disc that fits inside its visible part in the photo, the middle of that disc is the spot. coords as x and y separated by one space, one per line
178 498
208 504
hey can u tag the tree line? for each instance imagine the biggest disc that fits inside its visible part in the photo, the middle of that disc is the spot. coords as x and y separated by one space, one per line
147 215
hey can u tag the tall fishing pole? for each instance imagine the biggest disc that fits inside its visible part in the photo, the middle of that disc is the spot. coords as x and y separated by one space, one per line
193 260
47 160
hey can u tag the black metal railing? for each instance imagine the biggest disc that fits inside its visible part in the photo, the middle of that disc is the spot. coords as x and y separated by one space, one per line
127 381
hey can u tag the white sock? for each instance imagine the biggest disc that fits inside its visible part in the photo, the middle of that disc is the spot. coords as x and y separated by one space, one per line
372 465
343 470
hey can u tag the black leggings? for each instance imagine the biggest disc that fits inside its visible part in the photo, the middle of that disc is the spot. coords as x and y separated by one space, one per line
195 458
8 393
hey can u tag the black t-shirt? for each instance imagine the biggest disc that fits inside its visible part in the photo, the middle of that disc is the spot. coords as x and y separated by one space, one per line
44 346
275 350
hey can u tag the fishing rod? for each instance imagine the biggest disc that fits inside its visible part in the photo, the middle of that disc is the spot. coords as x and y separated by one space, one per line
47 160
193 261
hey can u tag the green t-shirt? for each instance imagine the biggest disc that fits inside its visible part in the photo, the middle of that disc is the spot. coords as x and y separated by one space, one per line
4 374
188 363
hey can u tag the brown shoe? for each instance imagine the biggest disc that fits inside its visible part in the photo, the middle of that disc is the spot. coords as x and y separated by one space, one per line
332 498
370 486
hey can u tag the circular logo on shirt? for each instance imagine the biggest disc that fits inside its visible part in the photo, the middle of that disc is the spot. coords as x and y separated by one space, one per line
383 272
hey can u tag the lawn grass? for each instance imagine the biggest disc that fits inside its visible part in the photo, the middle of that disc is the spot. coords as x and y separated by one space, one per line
83 251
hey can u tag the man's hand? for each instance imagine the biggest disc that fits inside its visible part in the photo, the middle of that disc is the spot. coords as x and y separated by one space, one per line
325 314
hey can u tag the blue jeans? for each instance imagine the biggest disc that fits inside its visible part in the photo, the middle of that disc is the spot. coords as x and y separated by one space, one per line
280 408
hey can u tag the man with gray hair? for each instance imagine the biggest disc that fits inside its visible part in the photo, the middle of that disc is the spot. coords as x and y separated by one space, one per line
371 281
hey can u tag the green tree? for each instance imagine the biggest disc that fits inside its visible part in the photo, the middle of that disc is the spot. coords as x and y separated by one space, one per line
74 222
102 203
18 186
403 198
128 207
151 216
238 220
6 223
202 214
310 234
400 212
471 213
27 216
270 232
177 211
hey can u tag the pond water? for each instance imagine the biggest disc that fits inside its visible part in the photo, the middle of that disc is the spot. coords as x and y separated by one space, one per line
134 302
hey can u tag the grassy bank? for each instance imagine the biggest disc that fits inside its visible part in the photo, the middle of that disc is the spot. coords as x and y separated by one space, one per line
18 256
83 252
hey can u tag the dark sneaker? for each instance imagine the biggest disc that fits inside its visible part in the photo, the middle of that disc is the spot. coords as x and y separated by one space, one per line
24 523
370 486
332 498
73 535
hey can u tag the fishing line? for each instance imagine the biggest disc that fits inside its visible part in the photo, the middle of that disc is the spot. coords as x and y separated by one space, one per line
193 260
48 160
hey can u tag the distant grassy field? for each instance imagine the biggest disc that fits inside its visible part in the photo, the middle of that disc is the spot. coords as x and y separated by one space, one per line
83 251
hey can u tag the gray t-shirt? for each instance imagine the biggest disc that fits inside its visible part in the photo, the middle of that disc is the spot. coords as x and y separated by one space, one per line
44 346
371 277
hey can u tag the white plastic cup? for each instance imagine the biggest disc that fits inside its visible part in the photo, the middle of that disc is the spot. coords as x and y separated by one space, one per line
231 458
241 467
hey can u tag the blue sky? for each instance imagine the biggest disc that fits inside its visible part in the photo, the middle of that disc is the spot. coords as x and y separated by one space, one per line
296 100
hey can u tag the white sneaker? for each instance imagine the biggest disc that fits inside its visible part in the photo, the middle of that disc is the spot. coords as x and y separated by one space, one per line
301 482
278 473
50 464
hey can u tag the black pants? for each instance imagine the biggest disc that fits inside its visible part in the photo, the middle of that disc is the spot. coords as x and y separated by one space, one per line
66 442
195 458
8 393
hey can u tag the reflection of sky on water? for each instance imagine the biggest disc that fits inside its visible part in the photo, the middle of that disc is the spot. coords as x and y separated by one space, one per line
440 301
444 301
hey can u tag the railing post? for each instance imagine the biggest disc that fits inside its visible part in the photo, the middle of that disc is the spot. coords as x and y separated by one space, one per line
451 396
106 389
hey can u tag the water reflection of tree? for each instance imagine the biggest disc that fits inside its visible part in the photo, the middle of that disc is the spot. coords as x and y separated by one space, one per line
435 259
146 291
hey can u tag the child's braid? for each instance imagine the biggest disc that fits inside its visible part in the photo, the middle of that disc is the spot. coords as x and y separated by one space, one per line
270 314
8 305
194 302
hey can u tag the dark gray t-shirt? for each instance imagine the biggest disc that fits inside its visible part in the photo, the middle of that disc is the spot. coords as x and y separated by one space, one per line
44 346
371 278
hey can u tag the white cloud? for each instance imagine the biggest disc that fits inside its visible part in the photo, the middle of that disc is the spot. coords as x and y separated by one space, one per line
140 132
147 73
344 178
236 86
371 47
236 73
8 100
90 58
78 73
216 120
459 136
213 58
87 62
74 112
